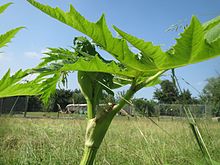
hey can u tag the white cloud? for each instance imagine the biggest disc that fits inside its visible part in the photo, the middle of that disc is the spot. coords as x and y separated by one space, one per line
32 54
36 54
4 57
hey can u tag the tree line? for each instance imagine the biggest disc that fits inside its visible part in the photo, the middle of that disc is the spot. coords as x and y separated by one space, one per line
167 93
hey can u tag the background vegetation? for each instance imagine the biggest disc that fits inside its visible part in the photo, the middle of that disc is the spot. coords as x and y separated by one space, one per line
167 93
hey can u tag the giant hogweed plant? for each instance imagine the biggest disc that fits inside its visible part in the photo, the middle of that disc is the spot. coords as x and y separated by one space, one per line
198 42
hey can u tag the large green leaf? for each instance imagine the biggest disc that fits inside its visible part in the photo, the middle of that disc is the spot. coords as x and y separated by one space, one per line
13 85
57 54
100 33
48 87
191 47
148 50
19 85
66 60
97 65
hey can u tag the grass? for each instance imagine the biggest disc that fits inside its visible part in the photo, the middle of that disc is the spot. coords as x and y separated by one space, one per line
129 142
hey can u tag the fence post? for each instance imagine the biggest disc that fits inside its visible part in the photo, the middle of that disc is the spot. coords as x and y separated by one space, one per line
26 106
1 106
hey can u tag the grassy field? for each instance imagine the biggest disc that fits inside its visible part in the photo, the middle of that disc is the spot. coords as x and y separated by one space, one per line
128 142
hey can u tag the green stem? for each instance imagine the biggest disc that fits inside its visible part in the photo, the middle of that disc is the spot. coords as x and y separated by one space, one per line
129 94
89 156
95 132
90 113
98 126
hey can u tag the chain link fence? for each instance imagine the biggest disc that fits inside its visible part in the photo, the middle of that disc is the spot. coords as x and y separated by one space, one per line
13 105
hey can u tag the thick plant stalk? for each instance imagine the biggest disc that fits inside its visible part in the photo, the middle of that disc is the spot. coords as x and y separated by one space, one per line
89 156
95 132
98 126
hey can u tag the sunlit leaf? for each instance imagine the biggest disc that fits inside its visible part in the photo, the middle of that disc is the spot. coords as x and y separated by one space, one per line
14 86
191 47
97 65
4 7
6 38
100 34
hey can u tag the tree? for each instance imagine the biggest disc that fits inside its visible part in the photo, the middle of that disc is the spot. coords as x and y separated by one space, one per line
186 98
35 104
167 94
62 97
144 106
140 105
96 74
78 97
211 93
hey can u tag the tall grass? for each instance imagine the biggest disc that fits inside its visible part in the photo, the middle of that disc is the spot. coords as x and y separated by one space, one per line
128 142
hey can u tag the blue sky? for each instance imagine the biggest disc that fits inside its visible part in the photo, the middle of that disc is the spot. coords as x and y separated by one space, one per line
145 19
